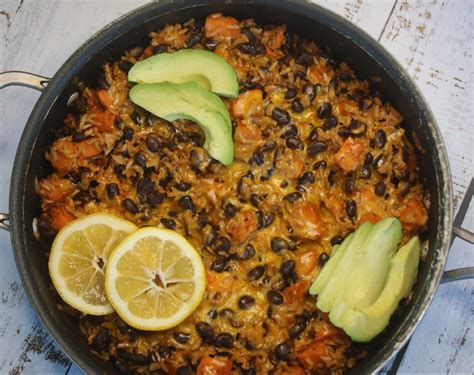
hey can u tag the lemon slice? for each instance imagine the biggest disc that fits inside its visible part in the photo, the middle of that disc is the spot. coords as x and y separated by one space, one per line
77 259
154 279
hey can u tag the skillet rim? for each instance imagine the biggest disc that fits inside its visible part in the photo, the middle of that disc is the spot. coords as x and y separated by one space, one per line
113 30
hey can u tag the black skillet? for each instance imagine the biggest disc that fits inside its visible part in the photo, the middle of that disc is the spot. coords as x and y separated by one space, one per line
343 40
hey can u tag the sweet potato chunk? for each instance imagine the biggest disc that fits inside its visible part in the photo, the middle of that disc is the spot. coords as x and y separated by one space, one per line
248 104
219 27
305 219
214 366
349 155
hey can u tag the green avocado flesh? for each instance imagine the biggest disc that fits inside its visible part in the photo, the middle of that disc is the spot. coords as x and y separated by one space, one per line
207 69
172 101
365 279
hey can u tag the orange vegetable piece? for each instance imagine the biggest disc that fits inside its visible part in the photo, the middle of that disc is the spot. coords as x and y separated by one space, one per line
219 27
305 219
277 38
328 332
248 103
214 366
104 98
335 205
66 156
312 353
369 217
296 292
349 155
414 214
247 133
104 121
242 225
54 188
148 52
60 217
306 263
222 51
293 370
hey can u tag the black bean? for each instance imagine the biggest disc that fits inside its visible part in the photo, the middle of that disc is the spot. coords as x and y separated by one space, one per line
380 188
252 49
155 198
278 244
274 297
153 142
294 143
226 312
281 116
316 147
196 139
306 178
287 267
168 223
380 138
102 83
337 240
365 172
324 110
305 59
184 370
167 178
258 158
348 186
268 219
344 132
290 93
357 128
249 252
301 74
249 371
112 190
139 160
183 186
369 158
127 133
224 340
280 284
145 186
269 146
78 137
282 351
160 48
193 39
199 160
330 122
351 208
323 258
186 202
205 331
313 135
181 337
223 243
246 302
133 358
291 131
256 273
210 44
297 329
292 197
118 169
83 197
212 314
297 106
344 77
125 65
334 84
137 119
101 339
130 205
219 264
249 34
310 90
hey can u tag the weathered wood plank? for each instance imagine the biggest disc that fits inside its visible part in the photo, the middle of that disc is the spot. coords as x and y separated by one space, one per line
433 41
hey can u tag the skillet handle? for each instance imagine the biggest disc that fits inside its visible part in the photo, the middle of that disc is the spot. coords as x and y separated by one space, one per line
4 221
459 231
17 78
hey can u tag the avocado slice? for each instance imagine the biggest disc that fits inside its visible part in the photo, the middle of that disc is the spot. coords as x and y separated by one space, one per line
364 324
172 101
367 279
209 70
343 269
328 269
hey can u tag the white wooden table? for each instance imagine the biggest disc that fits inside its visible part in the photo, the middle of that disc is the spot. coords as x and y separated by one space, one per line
432 39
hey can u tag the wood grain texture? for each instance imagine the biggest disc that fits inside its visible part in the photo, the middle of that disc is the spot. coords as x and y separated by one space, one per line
433 40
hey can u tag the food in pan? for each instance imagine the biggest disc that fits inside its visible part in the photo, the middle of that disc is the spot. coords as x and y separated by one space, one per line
317 154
